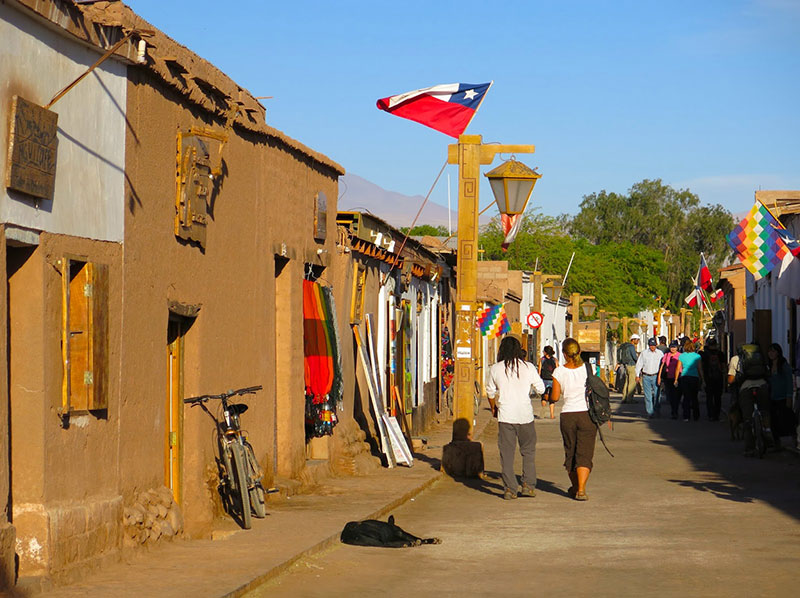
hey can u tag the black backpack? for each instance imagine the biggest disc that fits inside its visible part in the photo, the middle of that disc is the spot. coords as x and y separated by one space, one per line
598 402
751 363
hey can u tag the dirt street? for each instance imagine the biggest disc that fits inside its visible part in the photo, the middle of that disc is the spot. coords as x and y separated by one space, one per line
678 512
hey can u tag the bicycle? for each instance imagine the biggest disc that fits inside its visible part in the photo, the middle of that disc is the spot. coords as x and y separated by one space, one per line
240 475
762 437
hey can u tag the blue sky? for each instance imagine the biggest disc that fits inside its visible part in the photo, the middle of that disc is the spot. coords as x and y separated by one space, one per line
703 95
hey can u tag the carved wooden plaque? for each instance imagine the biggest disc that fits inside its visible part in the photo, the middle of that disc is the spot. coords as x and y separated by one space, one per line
32 149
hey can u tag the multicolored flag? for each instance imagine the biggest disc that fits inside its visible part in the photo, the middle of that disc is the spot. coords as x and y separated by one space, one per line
447 108
511 224
756 241
492 321
716 295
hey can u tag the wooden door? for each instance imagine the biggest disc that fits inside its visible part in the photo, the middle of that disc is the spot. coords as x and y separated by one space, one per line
173 439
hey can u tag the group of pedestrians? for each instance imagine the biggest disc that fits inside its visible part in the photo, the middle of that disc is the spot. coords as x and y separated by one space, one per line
508 388
674 374
678 373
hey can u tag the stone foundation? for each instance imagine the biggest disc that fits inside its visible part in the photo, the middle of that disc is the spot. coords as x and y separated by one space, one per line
8 535
64 542
349 452
153 516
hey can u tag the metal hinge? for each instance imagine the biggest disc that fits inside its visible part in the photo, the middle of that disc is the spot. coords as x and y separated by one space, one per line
88 378
87 290
173 438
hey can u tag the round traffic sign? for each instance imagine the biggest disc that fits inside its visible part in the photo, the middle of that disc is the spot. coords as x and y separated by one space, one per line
535 319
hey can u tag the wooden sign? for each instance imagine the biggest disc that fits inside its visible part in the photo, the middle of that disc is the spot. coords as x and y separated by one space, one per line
32 149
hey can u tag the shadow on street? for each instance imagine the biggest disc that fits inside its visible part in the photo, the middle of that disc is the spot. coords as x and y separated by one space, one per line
731 476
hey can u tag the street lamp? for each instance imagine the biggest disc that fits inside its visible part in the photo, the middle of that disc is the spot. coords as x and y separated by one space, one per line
512 184
588 308
552 289
515 185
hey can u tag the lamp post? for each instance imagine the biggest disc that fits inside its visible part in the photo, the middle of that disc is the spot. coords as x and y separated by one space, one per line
575 308
512 184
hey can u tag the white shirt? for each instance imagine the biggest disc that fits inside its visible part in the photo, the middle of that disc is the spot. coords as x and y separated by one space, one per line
573 388
514 403
648 362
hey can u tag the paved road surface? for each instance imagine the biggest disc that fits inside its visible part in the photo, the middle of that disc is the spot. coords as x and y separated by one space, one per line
678 512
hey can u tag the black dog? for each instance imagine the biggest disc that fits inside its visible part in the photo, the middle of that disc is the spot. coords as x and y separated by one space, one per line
372 532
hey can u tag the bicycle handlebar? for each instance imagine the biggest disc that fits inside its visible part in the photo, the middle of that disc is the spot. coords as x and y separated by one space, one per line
240 391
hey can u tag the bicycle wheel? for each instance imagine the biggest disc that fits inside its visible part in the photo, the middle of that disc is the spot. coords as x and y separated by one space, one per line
241 493
758 433
257 501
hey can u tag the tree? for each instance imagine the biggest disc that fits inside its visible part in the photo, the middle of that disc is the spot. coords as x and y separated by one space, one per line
422 230
624 278
657 216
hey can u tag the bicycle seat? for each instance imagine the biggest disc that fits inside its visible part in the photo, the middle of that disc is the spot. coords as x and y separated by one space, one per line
237 408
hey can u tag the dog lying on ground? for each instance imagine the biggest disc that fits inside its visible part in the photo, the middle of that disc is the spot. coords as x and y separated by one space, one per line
372 532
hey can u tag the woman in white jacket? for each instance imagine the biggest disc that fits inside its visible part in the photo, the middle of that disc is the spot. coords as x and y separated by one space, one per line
510 380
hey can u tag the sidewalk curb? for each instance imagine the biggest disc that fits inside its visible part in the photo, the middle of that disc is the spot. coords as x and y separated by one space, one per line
334 540
330 540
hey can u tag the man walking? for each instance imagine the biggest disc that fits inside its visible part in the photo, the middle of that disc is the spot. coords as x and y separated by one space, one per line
627 357
647 366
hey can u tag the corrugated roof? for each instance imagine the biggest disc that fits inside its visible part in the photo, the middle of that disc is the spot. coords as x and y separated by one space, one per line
103 23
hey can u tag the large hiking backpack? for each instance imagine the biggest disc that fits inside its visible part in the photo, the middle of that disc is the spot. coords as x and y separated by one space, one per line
751 363
598 402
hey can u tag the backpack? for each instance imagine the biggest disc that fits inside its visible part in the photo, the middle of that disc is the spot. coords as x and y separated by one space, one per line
548 367
597 402
715 370
626 354
751 364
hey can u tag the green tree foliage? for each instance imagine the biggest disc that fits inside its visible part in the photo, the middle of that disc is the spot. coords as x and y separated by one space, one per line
422 230
624 278
656 216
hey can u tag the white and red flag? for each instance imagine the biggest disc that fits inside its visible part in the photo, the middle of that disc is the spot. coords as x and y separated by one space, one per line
704 275
511 223
447 108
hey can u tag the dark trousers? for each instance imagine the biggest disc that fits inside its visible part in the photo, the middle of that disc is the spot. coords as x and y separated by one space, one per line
507 437
713 398
673 393
689 387
747 398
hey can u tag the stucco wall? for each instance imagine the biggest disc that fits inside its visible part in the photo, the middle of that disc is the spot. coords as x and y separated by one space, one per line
264 206
59 465
36 63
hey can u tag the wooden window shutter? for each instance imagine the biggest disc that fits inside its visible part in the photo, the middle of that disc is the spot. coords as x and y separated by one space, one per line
84 336
98 313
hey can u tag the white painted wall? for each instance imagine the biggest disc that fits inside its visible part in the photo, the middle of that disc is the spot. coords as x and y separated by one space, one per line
35 63
554 329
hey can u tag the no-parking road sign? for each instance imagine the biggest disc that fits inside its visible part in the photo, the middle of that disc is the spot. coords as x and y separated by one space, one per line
535 319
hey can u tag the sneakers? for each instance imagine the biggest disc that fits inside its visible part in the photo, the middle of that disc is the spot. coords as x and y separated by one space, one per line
509 494
527 491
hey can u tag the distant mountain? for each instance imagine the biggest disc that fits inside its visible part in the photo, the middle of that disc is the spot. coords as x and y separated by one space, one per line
359 195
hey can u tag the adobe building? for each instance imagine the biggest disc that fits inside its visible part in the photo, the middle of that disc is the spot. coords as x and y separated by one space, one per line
402 294
732 283
156 236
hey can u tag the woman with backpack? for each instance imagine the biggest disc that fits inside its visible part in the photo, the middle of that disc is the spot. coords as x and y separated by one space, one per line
577 429
547 365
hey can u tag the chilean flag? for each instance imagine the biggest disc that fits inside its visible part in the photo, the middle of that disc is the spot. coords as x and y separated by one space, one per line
447 108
